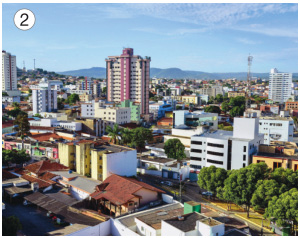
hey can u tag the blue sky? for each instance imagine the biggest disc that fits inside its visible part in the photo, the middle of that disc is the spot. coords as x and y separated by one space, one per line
205 37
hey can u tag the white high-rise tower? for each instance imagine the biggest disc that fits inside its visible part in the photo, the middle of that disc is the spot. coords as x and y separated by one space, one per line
9 72
280 89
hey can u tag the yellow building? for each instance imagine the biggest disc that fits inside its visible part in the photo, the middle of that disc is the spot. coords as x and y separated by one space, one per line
169 114
191 99
277 161
83 157
85 97
66 153
232 94
97 164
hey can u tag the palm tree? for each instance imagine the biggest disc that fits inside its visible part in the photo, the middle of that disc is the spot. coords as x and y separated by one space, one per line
113 132
126 136
23 127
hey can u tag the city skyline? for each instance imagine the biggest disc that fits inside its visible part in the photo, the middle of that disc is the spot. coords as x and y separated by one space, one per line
188 36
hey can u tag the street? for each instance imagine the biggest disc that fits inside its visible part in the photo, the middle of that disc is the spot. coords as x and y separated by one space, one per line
191 193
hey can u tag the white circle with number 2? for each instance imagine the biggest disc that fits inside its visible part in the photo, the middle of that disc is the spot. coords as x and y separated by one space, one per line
24 19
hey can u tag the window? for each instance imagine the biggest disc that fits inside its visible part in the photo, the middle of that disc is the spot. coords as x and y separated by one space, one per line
215 153
196 151
277 165
196 158
215 145
214 161
244 157
244 148
196 142
244 165
142 228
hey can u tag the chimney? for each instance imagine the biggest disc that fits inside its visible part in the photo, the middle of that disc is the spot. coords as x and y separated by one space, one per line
34 187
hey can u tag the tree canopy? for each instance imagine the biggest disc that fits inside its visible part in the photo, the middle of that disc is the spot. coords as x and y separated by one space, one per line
12 156
213 109
10 225
174 149
140 136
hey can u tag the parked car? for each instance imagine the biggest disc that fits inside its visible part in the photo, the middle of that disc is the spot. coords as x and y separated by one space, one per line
207 193
168 183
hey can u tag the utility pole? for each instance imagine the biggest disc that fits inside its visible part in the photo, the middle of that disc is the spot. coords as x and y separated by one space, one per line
34 64
248 93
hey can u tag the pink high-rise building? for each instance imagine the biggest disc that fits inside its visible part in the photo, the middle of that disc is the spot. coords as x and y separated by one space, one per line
128 77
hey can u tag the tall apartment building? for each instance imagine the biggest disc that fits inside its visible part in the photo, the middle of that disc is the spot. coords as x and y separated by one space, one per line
128 77
44 98
9 72
211 92
226 149
280 89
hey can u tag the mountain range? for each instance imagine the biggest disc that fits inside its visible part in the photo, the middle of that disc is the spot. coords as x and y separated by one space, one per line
171 73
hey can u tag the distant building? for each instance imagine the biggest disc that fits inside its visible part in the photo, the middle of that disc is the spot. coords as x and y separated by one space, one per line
211 92
9 72
128 77
232 94
280 89
159 110
196 118
44 98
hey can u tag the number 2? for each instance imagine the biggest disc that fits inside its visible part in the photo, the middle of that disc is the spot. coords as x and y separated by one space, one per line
26 15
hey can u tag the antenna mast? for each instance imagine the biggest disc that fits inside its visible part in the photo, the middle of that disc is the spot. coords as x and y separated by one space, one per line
34 64
248 94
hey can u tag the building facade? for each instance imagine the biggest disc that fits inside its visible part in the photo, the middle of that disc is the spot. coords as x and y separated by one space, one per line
128 77
135 109
280 89
44 98
9 72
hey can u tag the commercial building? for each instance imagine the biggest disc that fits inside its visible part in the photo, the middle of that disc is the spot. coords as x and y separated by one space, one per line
291 106
135 109
191 99
226 149
211 92
113 115
276 129
48 122
280 89
128 77
44 98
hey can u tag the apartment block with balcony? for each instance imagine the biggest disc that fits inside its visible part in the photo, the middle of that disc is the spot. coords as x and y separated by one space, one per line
128 77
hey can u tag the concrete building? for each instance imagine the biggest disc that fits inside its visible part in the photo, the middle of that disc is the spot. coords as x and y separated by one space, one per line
53 122
9 72
291 106
128 77
225 149
280 86
236 94
196 118
113 115
85 97
159 110
135 109
107 160
44 98
276 129
211 92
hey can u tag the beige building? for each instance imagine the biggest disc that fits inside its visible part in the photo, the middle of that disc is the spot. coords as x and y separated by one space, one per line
113 115
85 97
232 94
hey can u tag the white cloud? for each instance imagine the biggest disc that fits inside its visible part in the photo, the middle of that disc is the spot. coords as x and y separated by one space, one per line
248 41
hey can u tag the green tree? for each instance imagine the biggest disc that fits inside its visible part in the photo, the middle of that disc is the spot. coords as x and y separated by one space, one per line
104 90
60 104
73 98
23 127
265 190
38 115
237 111
213 109
140 136
113 132
241 184
174 149
210 178
225 107
284 208
10 225
237 101
16 105
13 156
219 98
286 178
126 136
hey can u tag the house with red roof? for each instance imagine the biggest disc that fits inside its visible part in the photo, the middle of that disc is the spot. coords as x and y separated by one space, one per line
45 166
118 195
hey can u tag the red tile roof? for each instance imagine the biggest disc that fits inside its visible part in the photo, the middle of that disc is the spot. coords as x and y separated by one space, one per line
7 124
47 176
45 166
41 183
45 136
119 190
